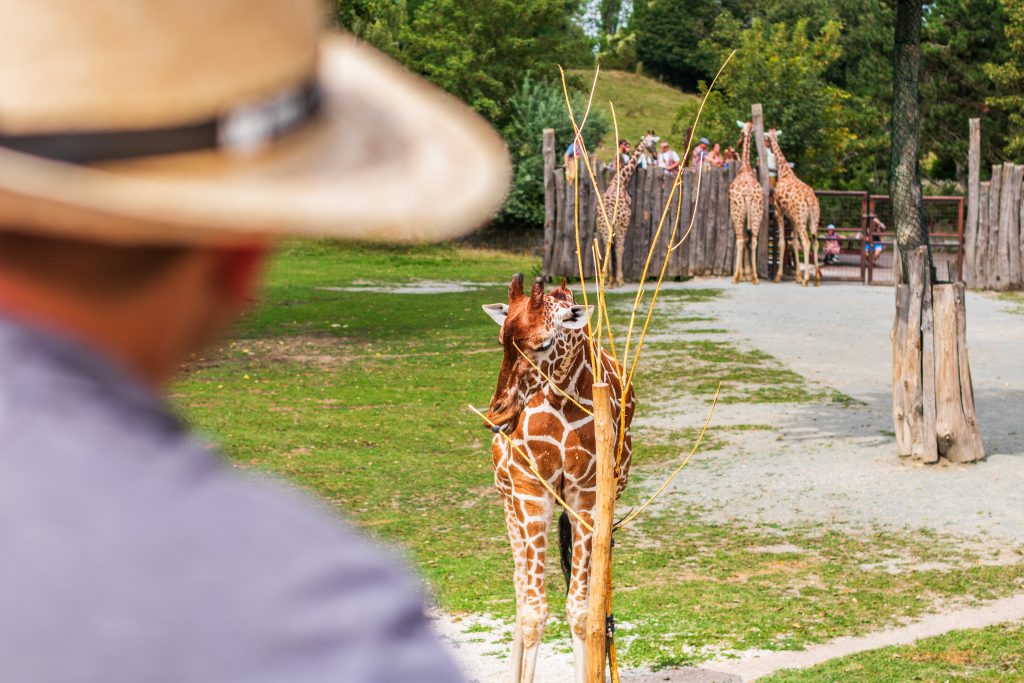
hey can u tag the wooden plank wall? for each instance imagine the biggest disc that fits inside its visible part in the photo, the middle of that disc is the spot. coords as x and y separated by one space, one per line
993 248
993 244
708 250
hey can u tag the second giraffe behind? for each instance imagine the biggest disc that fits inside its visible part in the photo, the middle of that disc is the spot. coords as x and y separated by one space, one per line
617 208
794 199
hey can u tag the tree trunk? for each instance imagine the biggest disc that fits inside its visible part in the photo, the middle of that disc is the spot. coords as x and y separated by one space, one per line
933 398
904 179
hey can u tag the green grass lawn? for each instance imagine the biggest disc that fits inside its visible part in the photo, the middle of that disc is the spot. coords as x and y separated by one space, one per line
360 397
990 655
641 103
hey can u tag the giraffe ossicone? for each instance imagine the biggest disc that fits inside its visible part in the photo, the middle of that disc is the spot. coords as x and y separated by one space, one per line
543 406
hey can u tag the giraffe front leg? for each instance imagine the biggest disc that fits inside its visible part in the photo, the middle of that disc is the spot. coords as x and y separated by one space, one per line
532 609
780 244
620 250
806 244
579 584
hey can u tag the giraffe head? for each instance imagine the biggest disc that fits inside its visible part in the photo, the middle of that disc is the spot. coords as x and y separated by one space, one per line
548 329
648 144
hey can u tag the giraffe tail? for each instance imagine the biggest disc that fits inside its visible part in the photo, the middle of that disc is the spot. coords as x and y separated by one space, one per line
565 546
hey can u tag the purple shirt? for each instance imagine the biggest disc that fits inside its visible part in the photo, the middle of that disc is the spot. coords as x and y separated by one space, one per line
129 554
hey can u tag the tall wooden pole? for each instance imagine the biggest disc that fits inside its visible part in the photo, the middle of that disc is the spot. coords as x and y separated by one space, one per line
601 550
973 192
761 258
548 149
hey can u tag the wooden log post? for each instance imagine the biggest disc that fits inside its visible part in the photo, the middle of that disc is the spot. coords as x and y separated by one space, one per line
992 255
761 258
928 447
599 588
973 192
981 239
956 424
548 148
1002 252
1013 236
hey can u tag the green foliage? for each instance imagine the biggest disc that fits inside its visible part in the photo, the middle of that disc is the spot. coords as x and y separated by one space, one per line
378 22
668 34
1008 76
783 67
618 51
957 38
539 105
479 50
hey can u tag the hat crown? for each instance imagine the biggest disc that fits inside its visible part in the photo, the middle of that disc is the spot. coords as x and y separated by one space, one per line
68 65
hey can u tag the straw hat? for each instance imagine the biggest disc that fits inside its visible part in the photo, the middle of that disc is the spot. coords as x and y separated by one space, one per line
215 120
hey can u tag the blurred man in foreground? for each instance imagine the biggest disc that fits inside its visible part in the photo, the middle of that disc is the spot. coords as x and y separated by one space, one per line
150 153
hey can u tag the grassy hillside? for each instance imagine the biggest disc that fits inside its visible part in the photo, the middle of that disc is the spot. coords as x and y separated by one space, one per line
640 103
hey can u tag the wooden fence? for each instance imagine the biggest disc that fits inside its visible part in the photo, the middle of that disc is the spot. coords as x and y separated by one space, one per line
707 251
993 249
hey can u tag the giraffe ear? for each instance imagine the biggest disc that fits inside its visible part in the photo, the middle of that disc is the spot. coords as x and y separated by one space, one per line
498 312
741 125
576 316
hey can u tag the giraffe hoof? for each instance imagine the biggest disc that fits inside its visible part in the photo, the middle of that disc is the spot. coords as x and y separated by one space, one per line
755 281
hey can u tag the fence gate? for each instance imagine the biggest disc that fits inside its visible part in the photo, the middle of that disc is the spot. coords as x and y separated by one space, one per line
867 241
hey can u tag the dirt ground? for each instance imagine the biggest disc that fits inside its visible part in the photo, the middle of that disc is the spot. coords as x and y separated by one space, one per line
831 463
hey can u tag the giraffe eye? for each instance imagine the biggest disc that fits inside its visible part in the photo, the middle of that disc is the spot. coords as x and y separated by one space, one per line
546 344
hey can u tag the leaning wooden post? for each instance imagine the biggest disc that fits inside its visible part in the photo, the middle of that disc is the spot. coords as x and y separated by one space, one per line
762 173
973 191
549 201
601 550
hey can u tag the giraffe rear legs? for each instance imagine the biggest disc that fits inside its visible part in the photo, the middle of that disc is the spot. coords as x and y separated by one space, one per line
739 270
752 259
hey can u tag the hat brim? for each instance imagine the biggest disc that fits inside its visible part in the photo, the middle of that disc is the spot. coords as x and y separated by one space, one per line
389 157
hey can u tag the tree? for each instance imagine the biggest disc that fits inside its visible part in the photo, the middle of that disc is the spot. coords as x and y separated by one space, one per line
783 67
904 178
1008 76
536 106
668 34
378 22
479 50
958 37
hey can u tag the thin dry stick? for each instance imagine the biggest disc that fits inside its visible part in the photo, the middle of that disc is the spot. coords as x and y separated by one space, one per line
677 183
551 381
532 464
635 513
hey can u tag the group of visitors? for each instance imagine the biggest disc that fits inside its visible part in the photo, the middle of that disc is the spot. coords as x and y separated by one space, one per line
667 158
711 155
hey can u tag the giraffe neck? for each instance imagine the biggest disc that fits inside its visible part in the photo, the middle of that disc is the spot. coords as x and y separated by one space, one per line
746 152
781 167
574 374
626 172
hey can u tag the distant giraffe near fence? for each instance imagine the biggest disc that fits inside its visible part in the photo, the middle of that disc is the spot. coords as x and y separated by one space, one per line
794 199
746 206
618 208
548 417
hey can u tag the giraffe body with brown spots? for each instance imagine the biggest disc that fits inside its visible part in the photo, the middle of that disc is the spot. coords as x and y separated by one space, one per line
552 331
746 205
617 209
795 200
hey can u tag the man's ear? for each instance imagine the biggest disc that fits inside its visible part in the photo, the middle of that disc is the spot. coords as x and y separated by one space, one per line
576 316
498 312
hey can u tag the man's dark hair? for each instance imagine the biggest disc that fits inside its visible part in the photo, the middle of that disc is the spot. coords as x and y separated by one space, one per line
88 267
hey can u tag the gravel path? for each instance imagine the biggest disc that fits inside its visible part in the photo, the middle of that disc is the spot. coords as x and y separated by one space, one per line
837 463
